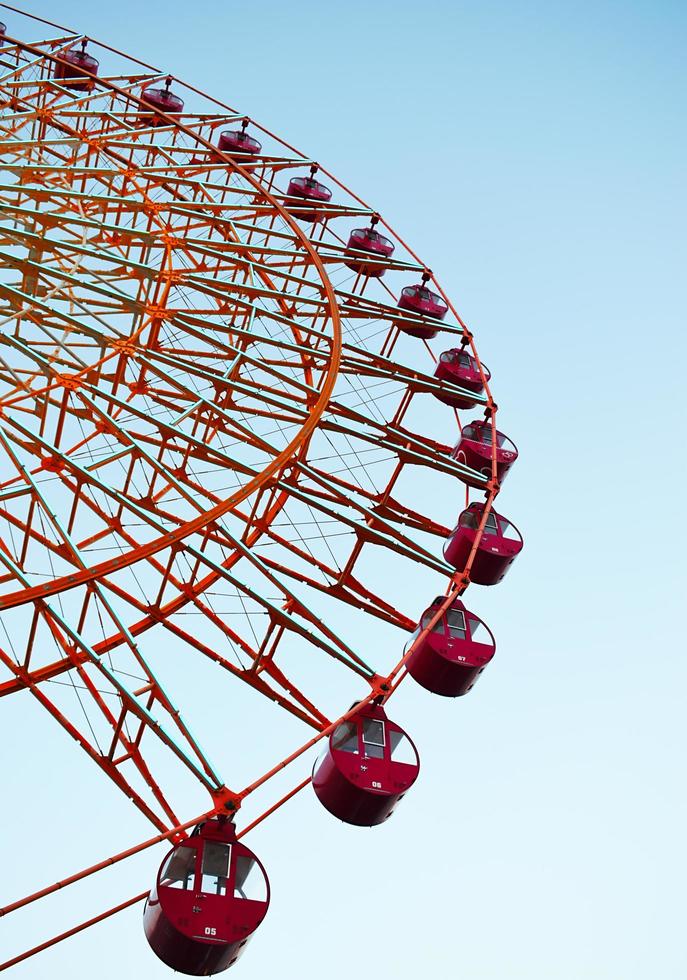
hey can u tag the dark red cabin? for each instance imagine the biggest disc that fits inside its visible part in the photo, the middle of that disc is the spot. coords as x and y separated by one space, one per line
454 653
75 68
163 100
473 449
460 368
210 896
427 304
302 189
499 545
369 764
3 29
237 143
370 241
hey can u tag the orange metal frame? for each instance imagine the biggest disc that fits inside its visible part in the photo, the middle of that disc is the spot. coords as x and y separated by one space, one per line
223 275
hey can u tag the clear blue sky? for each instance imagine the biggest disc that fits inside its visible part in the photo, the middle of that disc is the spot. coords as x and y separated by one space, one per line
534 155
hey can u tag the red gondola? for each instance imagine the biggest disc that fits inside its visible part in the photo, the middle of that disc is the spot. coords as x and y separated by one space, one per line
210 896
371 241
307 189
3 29
369 764
237 143
473 449
460 368
162 100
499 545
75 68
453 655
426 303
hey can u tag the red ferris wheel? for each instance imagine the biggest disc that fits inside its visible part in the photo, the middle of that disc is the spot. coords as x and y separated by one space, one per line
219 367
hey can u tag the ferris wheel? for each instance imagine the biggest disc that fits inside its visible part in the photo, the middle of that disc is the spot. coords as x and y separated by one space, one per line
218 367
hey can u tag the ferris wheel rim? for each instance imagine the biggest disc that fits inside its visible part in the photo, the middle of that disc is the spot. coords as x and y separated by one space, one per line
76 578
299 443
457 583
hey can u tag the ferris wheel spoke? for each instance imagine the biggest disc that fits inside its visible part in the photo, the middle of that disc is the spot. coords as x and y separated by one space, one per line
224 380
380 506
93 291
316 632
340 651
78 651
66 545
62 539
156 694
67 249
358 362
260 653
297 705
334 575
88 476
343 586
333 645
106 765
404 445
79 655
184 443
323 495
225 540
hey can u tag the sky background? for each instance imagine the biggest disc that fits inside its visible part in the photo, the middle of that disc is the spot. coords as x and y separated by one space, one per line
534 155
